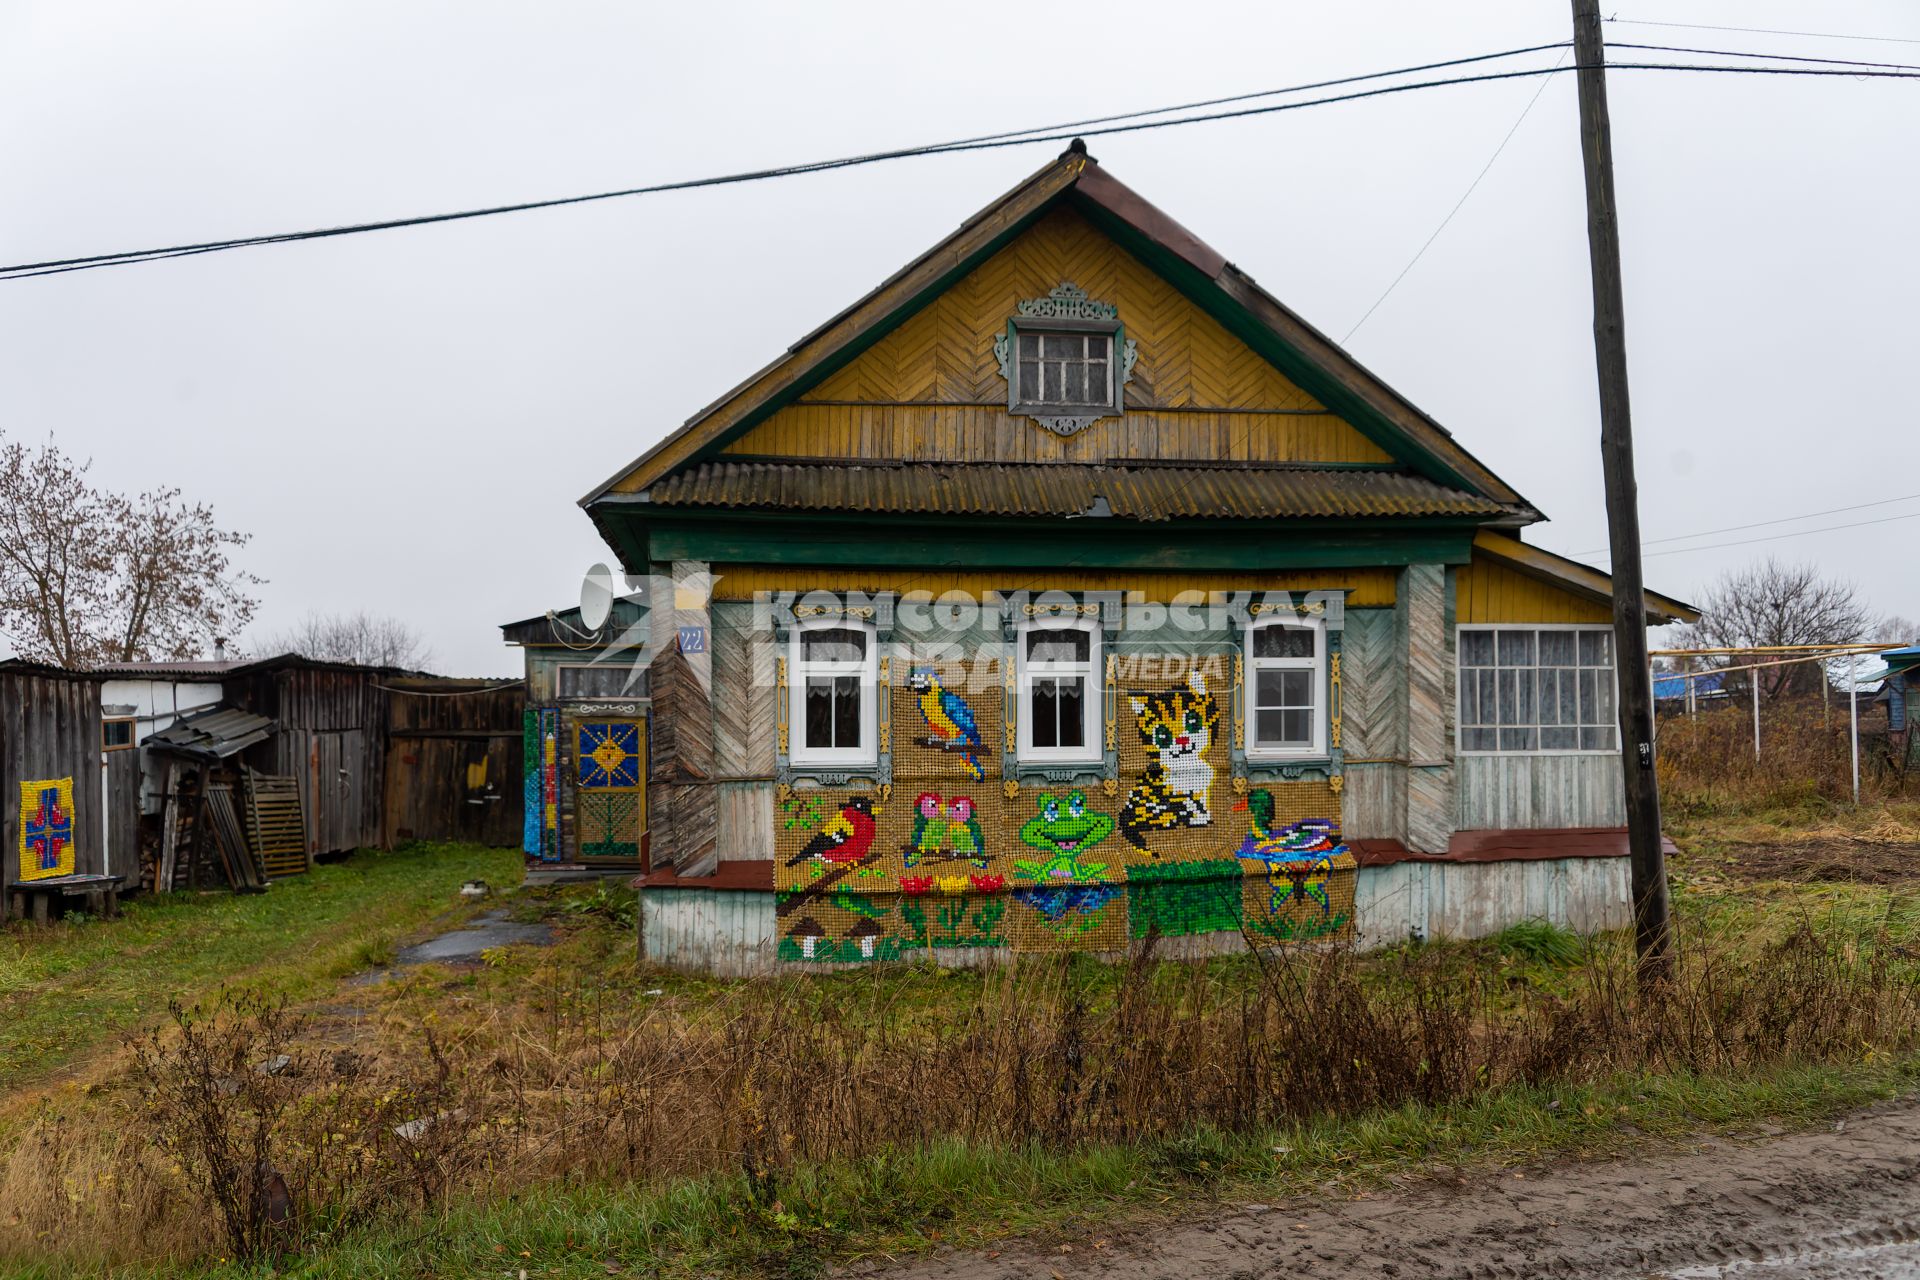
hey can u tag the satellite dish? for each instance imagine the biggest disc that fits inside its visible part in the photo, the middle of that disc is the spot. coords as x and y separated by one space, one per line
596 597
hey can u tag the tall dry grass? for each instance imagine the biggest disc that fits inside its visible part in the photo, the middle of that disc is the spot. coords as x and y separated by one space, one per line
1708 766
204 1154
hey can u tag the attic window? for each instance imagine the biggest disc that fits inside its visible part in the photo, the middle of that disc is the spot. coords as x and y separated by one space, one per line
1073 370
1066 359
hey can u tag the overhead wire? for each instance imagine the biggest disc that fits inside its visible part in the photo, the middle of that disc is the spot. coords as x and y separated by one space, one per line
1775 537
1757 524
1018 137
21 271
1764 31
1473 186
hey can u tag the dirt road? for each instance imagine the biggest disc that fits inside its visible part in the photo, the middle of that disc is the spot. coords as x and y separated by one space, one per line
1835 1204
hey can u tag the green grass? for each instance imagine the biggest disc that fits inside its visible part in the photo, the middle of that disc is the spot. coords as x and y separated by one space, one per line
974 1198
73 987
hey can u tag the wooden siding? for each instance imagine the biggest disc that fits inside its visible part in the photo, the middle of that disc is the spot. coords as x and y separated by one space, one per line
1496 792
728 934
50 729
122 800
744 820
329 733
1366 588
1490 592
1477 899
453 763
932 390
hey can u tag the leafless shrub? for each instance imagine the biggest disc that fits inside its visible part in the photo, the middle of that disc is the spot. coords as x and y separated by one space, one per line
588 1086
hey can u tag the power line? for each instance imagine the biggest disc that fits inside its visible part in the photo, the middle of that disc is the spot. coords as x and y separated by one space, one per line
23 271
1016 137
1772 57
1528 110
1765 31
1457 205
1775 537
1759 524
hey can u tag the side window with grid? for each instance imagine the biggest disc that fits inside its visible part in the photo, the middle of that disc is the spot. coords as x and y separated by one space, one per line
1534 690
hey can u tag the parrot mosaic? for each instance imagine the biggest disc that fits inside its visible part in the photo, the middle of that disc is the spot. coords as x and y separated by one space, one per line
845 837
963 831
950 722
929 828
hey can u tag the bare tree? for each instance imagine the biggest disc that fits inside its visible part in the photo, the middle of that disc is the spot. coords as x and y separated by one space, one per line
358 637
89 577
1775 605
1896 629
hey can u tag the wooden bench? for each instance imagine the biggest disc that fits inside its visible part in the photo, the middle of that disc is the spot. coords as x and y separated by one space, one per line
101 892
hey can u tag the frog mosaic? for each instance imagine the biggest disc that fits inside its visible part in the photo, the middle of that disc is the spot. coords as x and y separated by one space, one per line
1065 831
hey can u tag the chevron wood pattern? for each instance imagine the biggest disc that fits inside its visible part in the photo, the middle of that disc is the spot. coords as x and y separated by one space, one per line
733 727
1429 715
1372 687
932 390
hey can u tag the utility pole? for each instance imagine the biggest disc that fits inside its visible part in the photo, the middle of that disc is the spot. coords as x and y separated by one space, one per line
1652 921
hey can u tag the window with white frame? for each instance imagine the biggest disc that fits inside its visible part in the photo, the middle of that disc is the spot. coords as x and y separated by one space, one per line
1059 713
835 665
1536 689
1286 688
1072 370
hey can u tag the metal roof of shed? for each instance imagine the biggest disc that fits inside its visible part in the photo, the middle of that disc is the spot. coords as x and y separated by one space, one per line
213 734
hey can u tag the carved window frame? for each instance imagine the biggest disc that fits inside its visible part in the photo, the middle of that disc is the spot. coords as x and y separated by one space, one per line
1067 310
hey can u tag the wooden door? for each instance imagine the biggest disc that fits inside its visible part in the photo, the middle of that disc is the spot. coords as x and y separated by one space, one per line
609 789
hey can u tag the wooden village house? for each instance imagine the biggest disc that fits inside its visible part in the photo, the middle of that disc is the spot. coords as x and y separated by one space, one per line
1067 590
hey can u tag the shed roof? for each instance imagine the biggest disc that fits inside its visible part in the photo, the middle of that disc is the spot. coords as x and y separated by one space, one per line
1131 491
212 734
182 669
23 667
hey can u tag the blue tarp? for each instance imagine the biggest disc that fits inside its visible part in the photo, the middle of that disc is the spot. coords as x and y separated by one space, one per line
1665 687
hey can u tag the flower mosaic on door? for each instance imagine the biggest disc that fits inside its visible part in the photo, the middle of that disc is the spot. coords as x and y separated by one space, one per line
957 852
46 829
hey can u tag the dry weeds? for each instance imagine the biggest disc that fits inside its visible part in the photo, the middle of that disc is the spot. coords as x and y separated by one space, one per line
202 1153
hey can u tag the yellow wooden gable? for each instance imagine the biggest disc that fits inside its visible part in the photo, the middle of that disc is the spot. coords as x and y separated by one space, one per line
931 390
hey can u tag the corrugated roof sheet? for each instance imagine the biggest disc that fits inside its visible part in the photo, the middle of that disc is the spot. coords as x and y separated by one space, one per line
217 732
174 670
1130 491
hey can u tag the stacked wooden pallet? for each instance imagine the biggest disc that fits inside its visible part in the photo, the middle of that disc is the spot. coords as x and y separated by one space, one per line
276 825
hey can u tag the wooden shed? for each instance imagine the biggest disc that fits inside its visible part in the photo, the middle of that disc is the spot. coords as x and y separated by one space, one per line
69 782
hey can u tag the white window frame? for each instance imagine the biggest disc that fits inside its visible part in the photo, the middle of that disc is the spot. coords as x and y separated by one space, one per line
1091 705
639 689
1316 747
868 669
1459 691
1107 404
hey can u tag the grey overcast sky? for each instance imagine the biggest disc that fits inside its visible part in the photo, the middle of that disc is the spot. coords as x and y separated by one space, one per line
404 421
